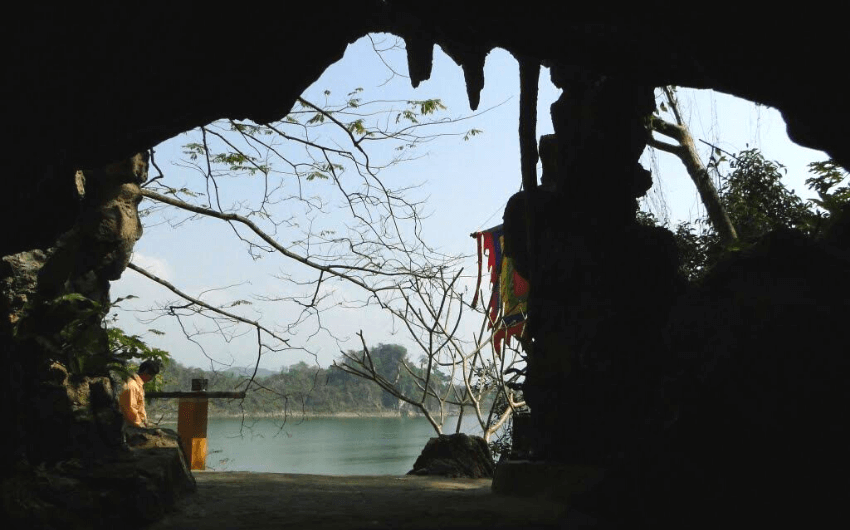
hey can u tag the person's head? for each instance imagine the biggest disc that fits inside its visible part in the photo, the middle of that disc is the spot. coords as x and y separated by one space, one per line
148 370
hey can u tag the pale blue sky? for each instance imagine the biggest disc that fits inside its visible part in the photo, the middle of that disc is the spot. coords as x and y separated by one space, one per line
467 184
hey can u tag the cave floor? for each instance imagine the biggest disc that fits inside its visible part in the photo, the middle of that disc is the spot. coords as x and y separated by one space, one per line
276 500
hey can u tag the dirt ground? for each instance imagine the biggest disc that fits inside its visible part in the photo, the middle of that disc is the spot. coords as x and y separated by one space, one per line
227 500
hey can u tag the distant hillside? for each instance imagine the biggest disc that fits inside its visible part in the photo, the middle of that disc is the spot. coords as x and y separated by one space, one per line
248 370
296 389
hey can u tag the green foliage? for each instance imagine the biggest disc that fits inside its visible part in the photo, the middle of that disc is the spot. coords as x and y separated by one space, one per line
317 118
127 348
419 108
717 158
428 106
357 127
699 248
697 244
828 174
68 328
502 442
470 133
408 115
237 161
646 218
247 128
757 203
193 150
389 362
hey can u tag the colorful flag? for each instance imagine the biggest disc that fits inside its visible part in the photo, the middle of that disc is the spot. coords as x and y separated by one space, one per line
508 305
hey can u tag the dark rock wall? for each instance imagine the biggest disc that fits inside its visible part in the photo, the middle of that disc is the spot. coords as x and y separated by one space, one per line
630 368
65 460
48 334
743 424
602 284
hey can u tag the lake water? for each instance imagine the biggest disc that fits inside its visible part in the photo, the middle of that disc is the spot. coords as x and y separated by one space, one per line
324 446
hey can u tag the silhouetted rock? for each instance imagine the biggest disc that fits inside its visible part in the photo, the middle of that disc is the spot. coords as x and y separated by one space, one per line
455 455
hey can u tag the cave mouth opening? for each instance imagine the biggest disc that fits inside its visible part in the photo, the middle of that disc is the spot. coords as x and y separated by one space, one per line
360 147
357 123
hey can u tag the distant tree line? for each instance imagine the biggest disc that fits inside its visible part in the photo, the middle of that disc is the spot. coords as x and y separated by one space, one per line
301 388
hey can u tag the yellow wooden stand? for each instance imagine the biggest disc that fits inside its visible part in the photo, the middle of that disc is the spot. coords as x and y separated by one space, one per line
192 419
192 428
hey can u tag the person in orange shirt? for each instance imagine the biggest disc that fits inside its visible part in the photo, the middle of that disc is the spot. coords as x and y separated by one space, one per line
132 399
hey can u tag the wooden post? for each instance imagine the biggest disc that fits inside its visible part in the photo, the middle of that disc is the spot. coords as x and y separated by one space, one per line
192 418
192 425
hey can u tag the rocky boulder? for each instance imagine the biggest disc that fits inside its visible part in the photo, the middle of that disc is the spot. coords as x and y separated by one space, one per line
455 456
126 488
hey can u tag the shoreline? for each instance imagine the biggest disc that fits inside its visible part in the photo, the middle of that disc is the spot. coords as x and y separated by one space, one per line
170 418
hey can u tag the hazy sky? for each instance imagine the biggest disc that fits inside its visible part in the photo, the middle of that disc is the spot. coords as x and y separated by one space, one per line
467 184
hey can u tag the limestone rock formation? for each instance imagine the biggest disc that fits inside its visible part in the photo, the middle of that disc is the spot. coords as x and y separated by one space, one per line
117 489
71 463
455 455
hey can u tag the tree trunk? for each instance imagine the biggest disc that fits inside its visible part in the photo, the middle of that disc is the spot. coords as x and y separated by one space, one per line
687 153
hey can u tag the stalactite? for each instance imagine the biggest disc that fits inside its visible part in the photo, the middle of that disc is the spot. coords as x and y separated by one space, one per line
473 74
472 63
420 58
529 74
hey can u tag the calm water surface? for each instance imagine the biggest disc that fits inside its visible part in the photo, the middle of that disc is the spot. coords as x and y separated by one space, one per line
325 446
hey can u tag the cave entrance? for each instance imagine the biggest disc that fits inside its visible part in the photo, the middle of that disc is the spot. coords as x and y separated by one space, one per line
365 176
365 173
